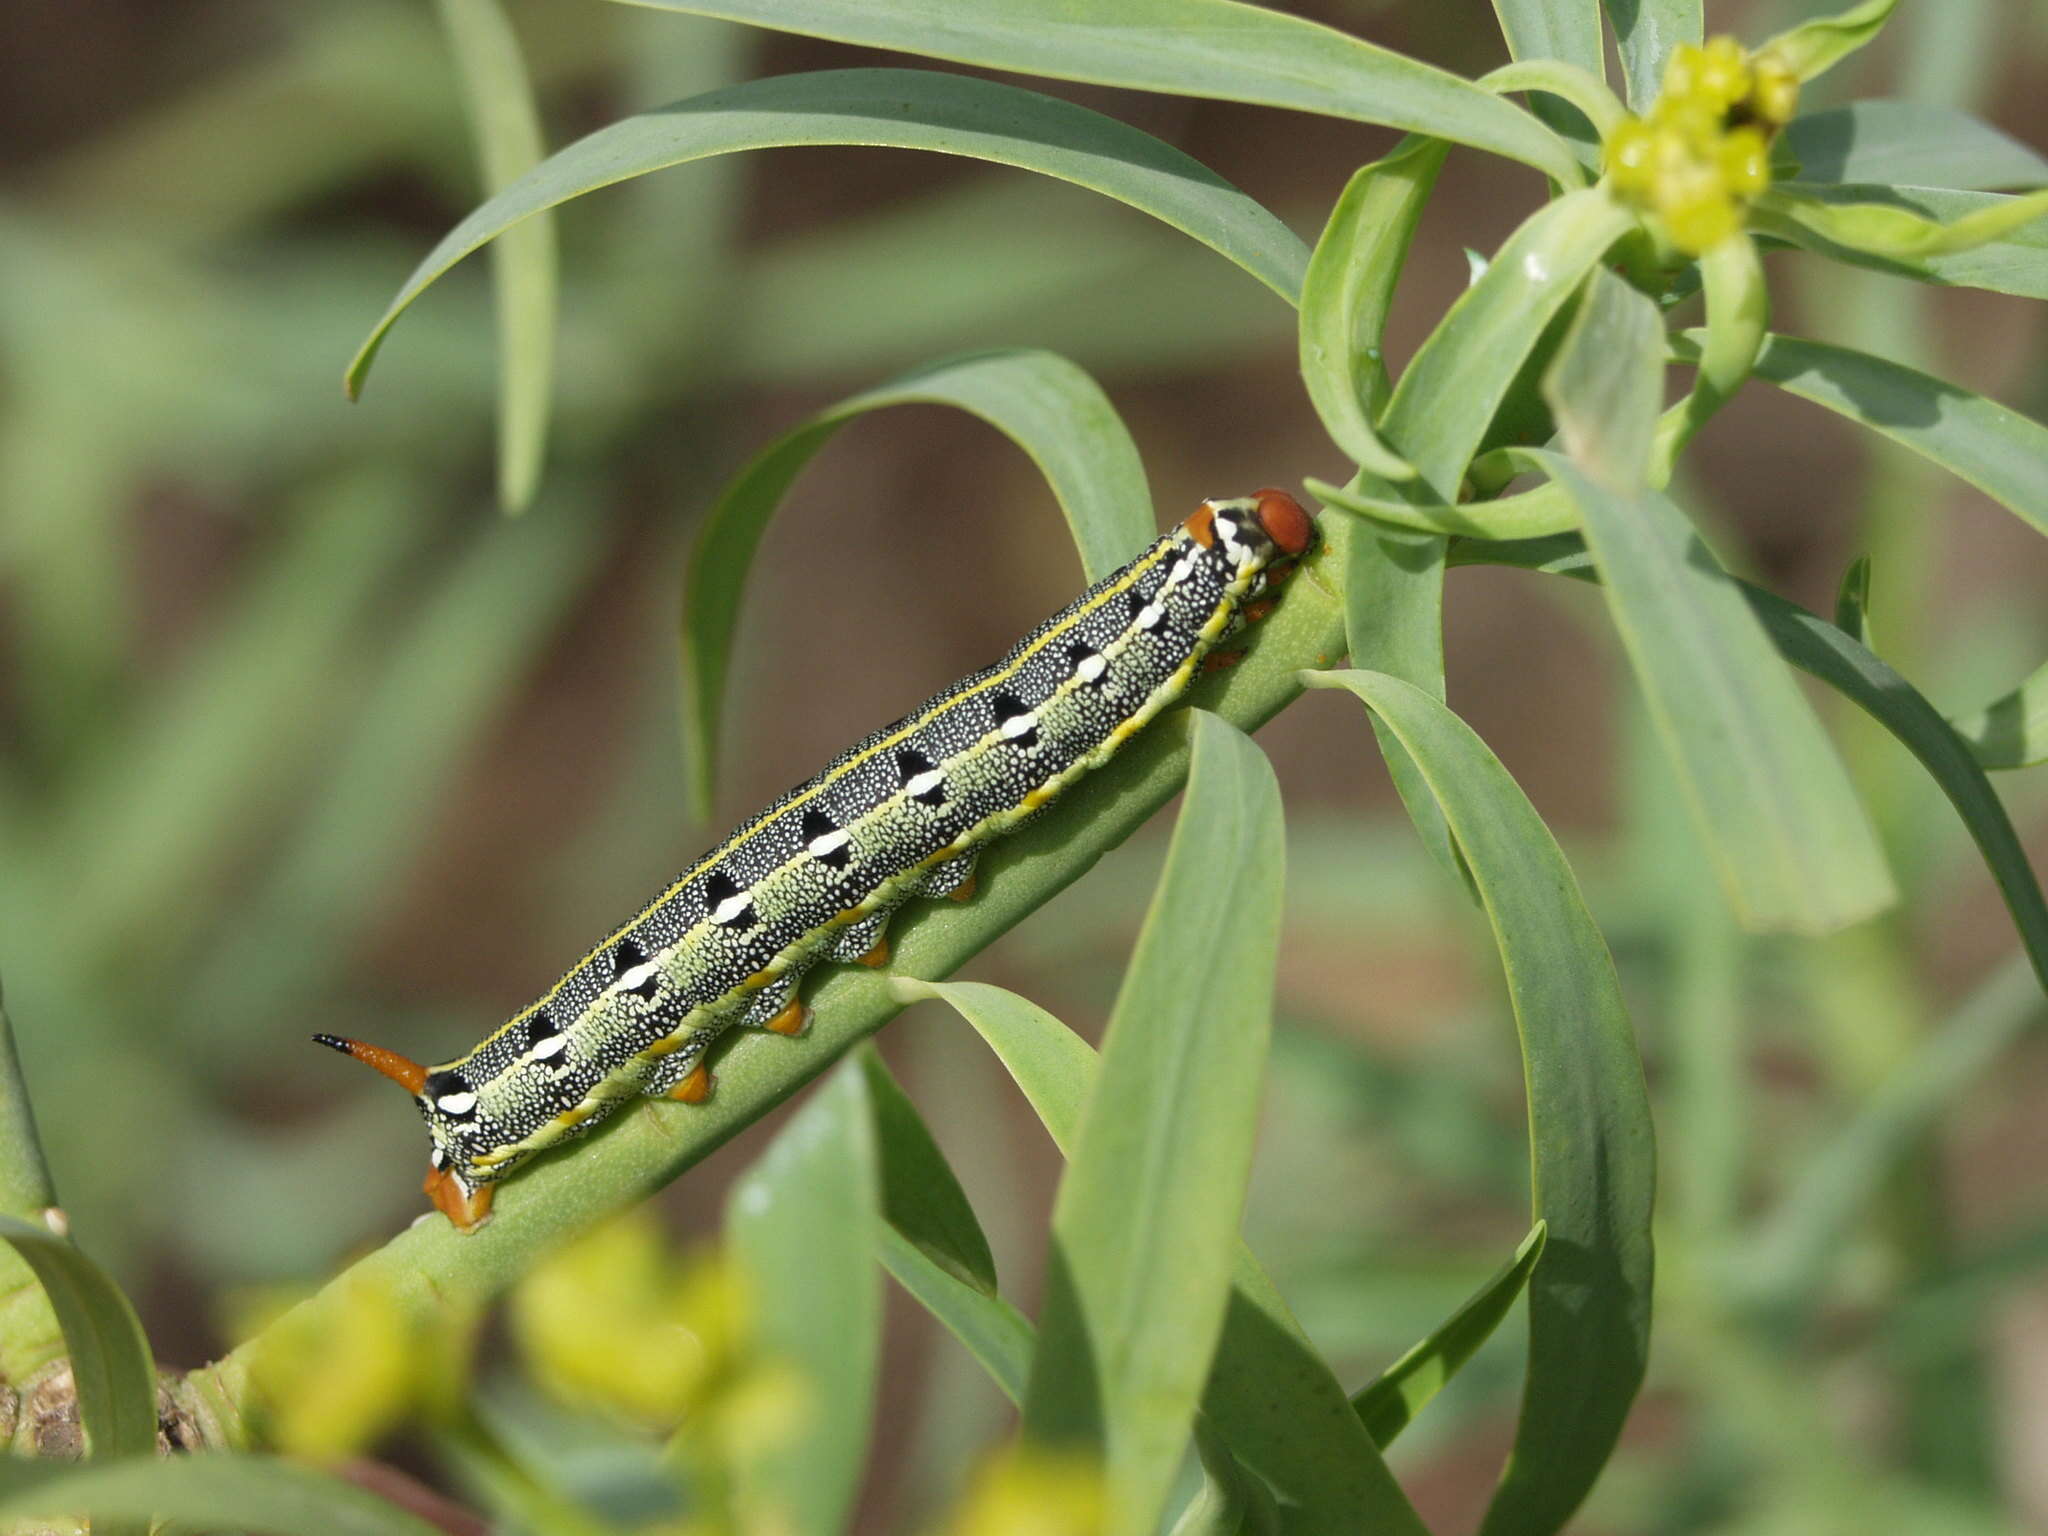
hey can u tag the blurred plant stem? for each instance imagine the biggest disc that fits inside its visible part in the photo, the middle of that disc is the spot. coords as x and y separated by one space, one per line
29 1337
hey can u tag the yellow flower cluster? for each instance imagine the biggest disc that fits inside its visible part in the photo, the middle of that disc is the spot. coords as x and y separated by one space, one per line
1704 151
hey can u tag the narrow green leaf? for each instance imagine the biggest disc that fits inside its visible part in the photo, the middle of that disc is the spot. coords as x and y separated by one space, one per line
1647 31
1909 143
505 121
1450 390
1269 1393
1891 232
894 108
1044 404
1997 450
1390 1402
1529 514
995 1333
1145 1225
1738 309
921 1198
2012 730
1606 385
110 1359
1215 48
26 1189
1348 291
1591 1145
1790 840
801 1223
1394 623
1565 31
1230 1501
1817 647
1852 602
2015 264
1813 47
1551 81
202 1492
1788 1259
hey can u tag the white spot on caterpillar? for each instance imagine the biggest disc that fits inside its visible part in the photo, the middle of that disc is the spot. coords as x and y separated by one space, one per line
826 843
732 909
456 1103
1019 725
1183 568
924 783
631 980
551 1047
1150 615
1092 666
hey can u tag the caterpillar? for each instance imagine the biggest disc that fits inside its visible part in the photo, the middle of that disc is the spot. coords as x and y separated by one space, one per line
817 875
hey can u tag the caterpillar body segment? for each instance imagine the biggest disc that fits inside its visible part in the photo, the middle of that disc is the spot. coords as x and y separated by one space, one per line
817 875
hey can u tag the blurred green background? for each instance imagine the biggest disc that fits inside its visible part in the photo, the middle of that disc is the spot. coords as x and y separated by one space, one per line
302 734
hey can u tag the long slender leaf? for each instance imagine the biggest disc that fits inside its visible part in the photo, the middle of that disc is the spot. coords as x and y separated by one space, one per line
1892 233
1909 143
1980 441
1145 1226
1606 384
207 1492
1568 30
505 121
1592 1149
802 1225
1773 803
1816 46
26 1189
110 1360
1044 404
1450 390
1389 1403
1348 291
1819 648
921 1199
2012 730
1647 31
1216 48
1269 1393
995 1333
898 108
2015 263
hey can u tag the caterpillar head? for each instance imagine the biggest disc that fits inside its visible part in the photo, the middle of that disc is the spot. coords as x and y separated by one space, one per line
1254 531
445 1101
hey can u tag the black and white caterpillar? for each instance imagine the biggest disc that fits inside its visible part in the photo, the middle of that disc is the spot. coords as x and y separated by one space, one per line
817 874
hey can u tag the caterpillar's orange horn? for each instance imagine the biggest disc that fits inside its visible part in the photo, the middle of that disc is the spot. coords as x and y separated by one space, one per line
409 1075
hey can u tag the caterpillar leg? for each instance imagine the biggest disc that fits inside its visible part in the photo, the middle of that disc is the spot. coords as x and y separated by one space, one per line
793 1019
952 877
684 1073
468 1208
862 942
695 1086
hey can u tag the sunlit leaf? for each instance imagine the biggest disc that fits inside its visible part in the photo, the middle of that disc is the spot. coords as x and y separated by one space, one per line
1647 31
907 109
111 1365
1591 1144
1047 406
1389 1403
1145 1225
1789 838
1215 48
1813 47
1909 143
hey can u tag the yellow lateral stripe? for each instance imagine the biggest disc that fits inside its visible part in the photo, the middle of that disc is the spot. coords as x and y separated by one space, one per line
1138 568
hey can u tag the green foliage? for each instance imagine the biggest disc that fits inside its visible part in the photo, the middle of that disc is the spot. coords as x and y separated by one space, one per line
750 1377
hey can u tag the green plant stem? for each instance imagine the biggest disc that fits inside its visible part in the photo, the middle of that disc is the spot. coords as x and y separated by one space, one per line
429 1267
26 1189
